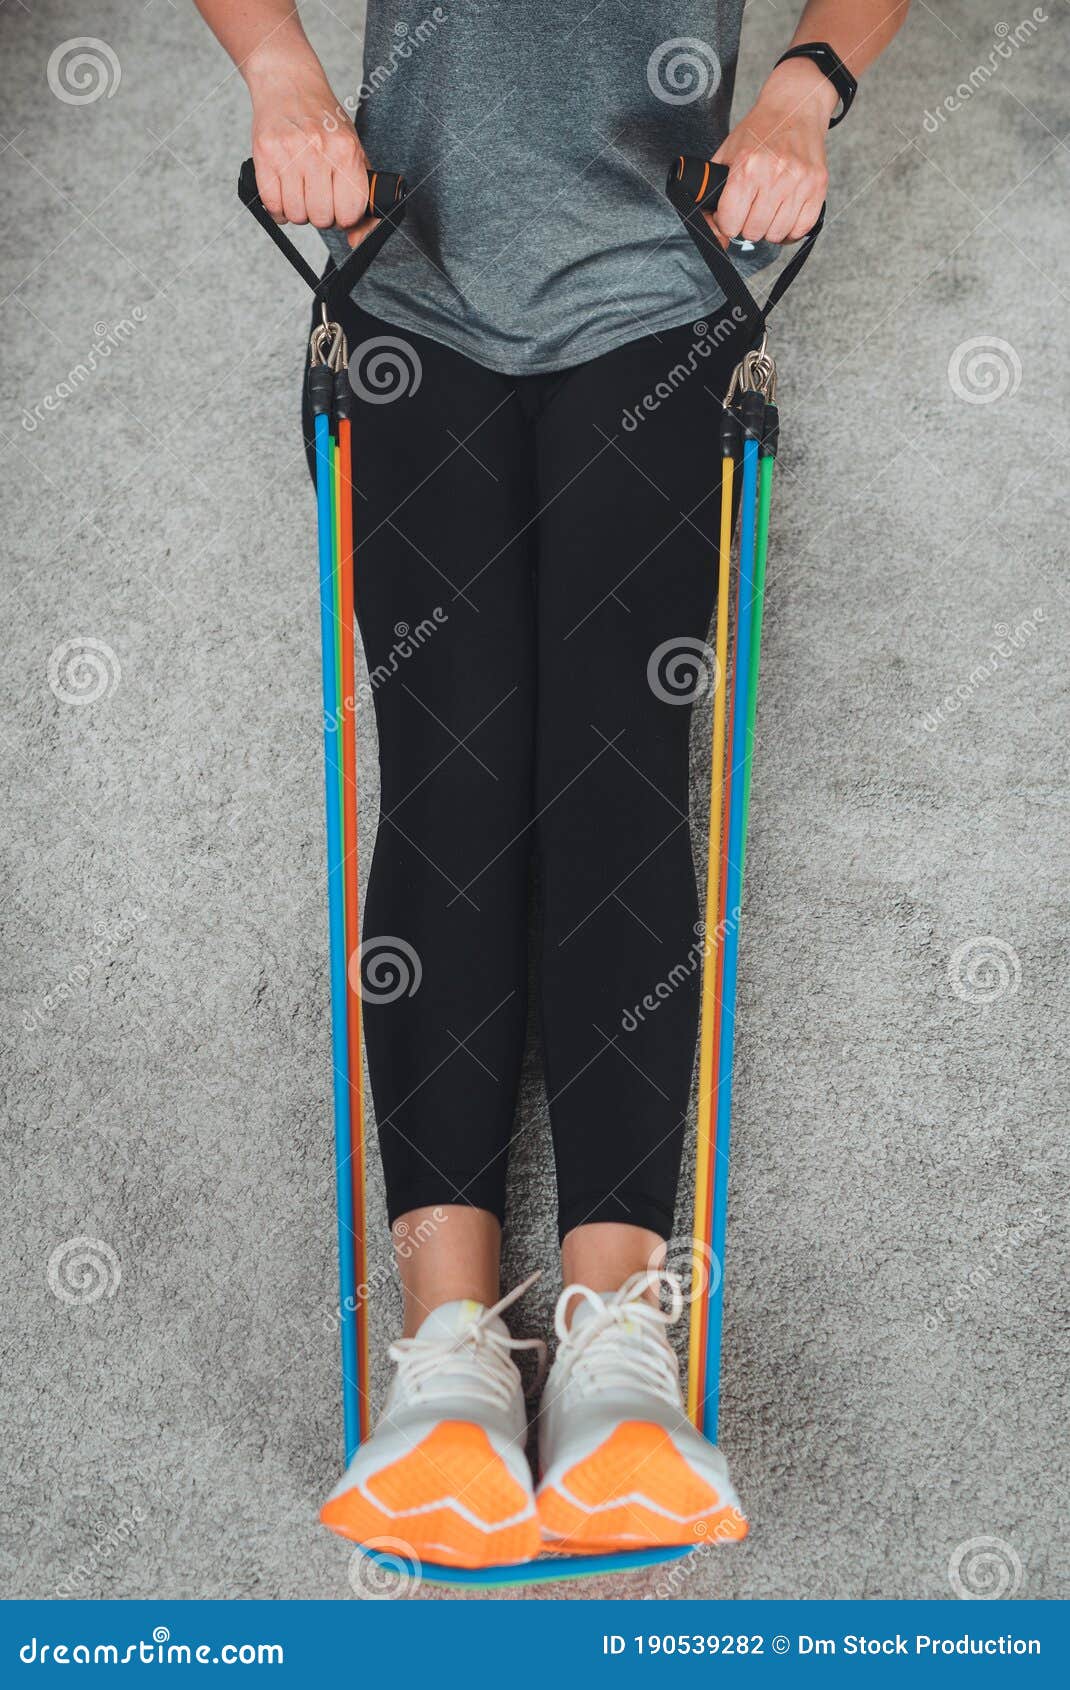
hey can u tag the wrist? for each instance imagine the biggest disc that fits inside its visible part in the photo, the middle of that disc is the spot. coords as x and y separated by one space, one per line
800 87
270 65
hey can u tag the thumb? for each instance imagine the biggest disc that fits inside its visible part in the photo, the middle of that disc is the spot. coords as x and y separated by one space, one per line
718 234
360 231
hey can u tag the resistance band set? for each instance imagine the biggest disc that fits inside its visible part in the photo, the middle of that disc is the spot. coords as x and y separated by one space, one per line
750 426
748 443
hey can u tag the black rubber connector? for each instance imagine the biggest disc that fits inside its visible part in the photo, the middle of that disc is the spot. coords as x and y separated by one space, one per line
729 433
320 389
770 433
752 414
343 394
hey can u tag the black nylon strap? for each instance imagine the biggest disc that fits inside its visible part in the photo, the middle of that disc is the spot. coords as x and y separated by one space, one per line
390 194
250 198
695 186
792 268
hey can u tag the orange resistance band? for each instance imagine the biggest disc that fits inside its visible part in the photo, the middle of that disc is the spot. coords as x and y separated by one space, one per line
352 908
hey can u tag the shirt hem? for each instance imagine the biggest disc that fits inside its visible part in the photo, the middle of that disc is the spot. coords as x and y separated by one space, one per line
675 318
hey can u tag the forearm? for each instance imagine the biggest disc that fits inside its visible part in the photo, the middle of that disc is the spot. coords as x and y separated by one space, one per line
776 153
263 37
859 30
310 166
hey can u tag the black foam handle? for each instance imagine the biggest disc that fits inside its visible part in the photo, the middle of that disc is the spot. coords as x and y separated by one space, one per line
701 180
385 190
386 203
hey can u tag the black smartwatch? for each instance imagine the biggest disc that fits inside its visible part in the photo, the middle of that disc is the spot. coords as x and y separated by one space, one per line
829 62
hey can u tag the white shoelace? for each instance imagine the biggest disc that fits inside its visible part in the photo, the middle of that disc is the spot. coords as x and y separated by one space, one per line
477 1357
623 1343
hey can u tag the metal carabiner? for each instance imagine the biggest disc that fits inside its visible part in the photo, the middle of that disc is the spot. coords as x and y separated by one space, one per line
327 345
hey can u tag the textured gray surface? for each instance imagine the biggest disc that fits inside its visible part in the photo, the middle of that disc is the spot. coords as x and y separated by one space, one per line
165 1059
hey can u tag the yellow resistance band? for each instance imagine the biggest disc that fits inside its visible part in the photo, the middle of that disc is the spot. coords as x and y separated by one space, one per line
701 1268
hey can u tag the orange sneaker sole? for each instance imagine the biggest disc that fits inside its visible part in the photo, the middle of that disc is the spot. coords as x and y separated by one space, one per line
452 1499
635 1491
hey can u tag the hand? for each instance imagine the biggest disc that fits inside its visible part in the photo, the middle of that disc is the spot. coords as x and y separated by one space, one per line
776 157
310 165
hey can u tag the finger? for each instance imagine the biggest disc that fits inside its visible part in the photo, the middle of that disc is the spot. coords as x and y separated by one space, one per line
269 188
293 193
764 207
719 236
786 215
361 232
737 197
350 194
806 219
319 191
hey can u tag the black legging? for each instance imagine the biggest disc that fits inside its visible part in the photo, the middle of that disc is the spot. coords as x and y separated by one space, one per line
535 566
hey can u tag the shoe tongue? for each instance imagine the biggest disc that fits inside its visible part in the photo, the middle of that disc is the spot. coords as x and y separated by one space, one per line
583 1312
452 1320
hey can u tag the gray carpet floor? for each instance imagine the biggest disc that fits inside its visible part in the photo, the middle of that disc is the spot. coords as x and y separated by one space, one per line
895 1336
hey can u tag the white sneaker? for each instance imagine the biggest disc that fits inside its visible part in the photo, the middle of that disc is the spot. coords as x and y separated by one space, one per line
622 1466
444 1471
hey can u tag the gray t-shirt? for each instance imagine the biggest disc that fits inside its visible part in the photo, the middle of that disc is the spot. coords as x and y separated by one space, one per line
535 136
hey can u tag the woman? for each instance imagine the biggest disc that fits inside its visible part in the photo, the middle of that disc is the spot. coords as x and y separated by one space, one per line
538 489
